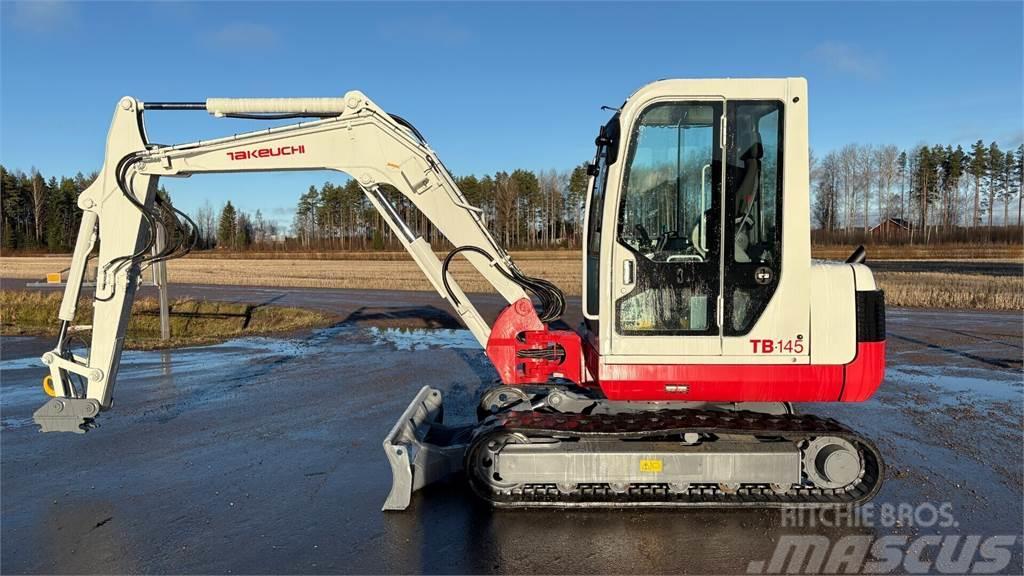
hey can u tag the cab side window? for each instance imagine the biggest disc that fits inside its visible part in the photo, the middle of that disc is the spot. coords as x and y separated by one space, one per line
753 189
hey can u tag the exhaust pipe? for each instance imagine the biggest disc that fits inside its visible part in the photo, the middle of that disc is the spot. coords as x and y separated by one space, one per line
859 256
421 450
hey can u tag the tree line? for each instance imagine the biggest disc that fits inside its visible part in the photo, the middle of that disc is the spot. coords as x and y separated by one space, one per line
232 229
40 214
928 193
522 209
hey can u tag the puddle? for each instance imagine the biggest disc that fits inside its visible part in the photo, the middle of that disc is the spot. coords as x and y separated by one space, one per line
20 377
180 355
948 381
21 363
421 339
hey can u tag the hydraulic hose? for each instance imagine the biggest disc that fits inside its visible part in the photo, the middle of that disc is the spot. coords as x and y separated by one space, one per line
552 300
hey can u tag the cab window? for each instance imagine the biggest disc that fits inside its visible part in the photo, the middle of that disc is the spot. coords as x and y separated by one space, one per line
669 220
753 188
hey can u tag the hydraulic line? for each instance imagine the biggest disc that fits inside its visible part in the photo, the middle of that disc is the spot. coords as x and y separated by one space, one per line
187 230
120 172
551 298
176 249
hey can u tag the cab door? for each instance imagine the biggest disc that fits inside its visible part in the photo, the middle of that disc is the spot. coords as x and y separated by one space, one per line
666 259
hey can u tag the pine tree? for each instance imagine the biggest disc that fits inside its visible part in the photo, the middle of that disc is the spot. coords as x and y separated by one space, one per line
901 163
243 231
39 197
977 168
952 171
1006 185
577 194
925 183
226 226
1018 171
995 173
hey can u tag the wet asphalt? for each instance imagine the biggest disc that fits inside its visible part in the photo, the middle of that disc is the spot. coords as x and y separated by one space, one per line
263 455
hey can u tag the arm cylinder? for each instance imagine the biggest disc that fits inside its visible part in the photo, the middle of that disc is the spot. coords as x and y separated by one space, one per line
83 246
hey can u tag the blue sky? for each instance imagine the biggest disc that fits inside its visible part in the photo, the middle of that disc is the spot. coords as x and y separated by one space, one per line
493 86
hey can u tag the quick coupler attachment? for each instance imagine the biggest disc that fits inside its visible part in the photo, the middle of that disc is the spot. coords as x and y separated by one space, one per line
421 450
67 415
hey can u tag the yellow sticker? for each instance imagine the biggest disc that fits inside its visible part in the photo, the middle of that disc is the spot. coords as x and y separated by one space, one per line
650 465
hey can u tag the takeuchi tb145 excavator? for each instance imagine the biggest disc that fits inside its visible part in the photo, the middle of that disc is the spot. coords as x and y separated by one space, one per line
704 315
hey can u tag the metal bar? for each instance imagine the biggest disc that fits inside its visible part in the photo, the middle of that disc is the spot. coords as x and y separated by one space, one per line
173 105
80 260
160 280
392 214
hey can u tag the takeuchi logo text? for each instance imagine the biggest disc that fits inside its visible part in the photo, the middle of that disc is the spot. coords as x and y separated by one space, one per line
267 152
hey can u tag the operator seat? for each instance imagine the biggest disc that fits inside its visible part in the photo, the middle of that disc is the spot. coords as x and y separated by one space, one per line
746 194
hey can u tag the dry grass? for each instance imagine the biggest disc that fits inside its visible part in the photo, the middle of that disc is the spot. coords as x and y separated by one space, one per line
920 252
915 289
942 290
388 274
192 321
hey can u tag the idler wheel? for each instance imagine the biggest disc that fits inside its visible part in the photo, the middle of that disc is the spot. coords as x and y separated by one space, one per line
832 462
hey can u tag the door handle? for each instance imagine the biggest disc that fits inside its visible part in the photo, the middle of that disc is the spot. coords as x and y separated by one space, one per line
628 272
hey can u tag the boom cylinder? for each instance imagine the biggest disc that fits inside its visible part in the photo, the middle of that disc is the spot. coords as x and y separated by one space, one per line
225 106
229 106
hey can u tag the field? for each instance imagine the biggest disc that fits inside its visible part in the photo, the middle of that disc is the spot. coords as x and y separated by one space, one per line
192 321
395 271
957 291
927 252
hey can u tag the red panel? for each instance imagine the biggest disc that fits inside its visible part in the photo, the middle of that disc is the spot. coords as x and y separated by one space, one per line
864 375
746 382
518 328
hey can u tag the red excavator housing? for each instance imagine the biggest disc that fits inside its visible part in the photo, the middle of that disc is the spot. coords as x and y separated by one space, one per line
525 351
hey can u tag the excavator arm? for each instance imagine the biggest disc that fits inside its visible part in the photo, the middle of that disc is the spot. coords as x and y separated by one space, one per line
349 134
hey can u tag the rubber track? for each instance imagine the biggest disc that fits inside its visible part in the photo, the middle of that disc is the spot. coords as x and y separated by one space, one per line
661 423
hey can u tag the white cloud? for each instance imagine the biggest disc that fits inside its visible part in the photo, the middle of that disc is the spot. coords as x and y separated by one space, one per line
242 35
42 16
845 59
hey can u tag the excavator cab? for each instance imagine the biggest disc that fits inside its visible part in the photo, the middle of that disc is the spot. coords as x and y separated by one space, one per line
704 317
693 208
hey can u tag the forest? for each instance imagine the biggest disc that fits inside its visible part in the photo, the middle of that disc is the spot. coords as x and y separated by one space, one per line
859 193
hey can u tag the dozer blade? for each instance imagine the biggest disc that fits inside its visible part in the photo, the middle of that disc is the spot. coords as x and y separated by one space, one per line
421 450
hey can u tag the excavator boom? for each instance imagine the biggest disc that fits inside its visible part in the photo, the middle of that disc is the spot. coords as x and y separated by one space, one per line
354 136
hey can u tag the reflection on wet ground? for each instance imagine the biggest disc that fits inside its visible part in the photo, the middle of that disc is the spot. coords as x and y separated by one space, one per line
263 455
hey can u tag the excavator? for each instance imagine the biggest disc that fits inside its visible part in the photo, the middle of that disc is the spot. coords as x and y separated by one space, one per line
704 316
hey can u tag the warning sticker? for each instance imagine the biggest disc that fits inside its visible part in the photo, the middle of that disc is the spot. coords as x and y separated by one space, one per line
650 465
